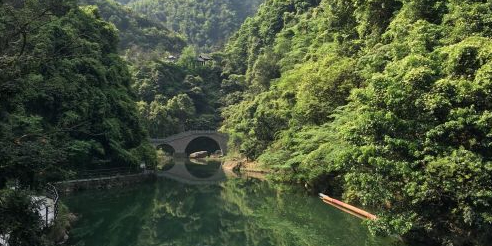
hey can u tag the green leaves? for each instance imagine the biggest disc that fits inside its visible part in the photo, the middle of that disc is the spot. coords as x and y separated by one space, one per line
69 105
206 24
321 90
395 117
178 97
19 219
138 36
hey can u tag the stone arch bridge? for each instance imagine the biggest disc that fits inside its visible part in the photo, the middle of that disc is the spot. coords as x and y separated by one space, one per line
180 141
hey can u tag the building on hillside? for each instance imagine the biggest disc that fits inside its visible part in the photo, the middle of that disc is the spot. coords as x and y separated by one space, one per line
203 59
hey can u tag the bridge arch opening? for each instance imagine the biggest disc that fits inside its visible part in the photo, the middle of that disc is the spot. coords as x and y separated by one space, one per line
202 144
165 160
166 148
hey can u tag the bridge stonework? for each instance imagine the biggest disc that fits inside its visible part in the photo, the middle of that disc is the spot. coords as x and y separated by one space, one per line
180 141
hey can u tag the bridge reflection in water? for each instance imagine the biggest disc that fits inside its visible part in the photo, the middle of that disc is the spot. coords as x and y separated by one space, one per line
195 172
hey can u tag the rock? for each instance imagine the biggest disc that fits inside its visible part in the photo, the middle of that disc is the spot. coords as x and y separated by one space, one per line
200 154
218 153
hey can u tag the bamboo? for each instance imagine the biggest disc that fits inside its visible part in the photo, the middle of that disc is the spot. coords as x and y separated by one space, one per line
347 207
345 210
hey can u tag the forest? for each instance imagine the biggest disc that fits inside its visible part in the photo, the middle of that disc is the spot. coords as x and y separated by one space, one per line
206 24
383 103
66 104
83 85
175 95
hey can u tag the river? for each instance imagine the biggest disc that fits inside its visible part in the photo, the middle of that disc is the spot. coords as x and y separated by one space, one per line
225 210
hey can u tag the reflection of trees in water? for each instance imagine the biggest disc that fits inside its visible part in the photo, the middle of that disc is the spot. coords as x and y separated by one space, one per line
249 212
287 218
165 160
238 212
110 218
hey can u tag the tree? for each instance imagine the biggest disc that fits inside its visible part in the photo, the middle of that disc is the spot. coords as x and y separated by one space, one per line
382 103
66 102
19 219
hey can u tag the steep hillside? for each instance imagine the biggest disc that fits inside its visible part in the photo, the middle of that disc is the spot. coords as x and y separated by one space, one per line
66 101
172 96
139 37
179 96
385 103
206 24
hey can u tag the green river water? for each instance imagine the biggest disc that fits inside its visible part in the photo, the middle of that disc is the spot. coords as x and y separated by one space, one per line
232 211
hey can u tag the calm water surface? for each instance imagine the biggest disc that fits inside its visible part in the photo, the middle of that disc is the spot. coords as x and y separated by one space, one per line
231 211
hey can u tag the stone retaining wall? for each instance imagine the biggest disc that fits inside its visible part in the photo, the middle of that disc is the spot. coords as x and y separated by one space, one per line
67 187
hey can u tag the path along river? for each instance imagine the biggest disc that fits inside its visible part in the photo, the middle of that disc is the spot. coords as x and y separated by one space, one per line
232 211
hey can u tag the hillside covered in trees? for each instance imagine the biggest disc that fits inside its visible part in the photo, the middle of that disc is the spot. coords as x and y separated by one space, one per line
173 95
139 36
178 96
66 94
206 24
386 103
66 104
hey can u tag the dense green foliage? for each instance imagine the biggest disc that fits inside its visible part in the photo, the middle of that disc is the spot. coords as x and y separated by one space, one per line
206 24
66 101
177 97
66 104
386 102
140 37
173 97
24 227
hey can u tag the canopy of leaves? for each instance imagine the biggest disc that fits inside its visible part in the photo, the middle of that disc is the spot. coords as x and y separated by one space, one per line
140 37
17 219
66 101
206 24
384 103
177 97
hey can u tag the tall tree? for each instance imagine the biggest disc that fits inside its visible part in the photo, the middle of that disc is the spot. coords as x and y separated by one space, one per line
66 101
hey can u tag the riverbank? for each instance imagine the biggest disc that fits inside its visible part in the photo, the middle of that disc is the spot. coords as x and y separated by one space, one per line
60 231
71 186
241 165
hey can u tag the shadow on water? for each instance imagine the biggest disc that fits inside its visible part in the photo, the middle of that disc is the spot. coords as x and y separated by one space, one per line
236 211
194 172
203 169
